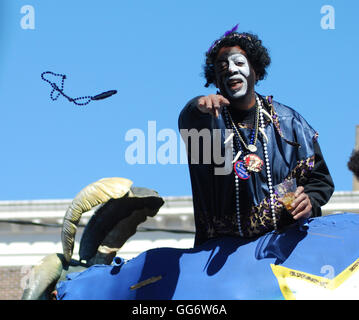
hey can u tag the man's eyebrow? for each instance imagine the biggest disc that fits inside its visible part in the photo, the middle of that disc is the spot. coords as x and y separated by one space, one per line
221 60
239 55
225 58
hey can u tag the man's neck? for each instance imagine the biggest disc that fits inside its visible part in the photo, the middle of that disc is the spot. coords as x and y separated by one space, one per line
244 103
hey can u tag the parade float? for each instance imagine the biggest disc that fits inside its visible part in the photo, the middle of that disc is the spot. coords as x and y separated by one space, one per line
313 259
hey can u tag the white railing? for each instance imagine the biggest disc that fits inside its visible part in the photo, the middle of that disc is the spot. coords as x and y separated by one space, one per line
341 201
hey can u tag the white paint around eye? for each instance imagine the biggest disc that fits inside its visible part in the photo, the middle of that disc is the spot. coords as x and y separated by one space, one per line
238 72
238 57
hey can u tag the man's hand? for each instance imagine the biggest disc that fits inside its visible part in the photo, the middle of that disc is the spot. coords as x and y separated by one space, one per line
212 104
302 207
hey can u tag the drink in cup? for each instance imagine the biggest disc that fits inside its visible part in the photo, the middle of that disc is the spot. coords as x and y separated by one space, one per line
285 191
287 200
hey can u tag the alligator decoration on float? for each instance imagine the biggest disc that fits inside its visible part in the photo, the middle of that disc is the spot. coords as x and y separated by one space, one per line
315 260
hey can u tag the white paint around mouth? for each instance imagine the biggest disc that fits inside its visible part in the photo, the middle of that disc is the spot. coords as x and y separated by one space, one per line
239 92
238 72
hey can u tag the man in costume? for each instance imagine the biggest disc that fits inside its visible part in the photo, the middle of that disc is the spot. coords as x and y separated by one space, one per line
271 143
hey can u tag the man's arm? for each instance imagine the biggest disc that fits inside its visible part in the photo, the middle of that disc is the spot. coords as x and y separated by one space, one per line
320 185
199 106
317 190
189 115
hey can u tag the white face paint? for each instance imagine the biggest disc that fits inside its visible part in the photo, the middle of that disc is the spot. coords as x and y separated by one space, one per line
236 83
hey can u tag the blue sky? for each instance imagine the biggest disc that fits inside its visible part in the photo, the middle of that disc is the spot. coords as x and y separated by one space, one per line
152 52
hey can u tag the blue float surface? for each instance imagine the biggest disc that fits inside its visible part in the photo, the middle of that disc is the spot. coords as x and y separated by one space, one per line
225 268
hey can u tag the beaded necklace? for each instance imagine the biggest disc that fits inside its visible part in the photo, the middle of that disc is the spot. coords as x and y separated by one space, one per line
254 134
259 126
80 101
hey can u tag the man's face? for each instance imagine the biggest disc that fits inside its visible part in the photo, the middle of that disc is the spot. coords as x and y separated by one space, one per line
234 75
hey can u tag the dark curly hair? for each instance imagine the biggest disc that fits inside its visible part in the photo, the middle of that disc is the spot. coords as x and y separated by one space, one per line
353 163
256 53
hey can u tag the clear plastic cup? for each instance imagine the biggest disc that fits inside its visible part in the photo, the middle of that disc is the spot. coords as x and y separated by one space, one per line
285 191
